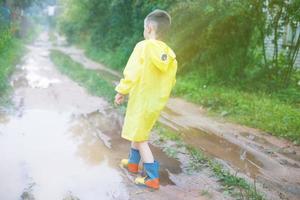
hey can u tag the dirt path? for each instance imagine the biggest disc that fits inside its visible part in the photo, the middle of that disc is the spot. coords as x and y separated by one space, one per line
256 155
59 142
271 161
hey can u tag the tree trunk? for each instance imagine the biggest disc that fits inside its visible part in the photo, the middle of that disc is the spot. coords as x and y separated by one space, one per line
276 36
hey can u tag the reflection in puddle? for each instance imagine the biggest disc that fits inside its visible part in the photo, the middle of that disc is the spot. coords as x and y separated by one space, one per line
107 124
37 81
38 149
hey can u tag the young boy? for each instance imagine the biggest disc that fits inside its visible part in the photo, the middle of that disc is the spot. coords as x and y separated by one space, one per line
148 79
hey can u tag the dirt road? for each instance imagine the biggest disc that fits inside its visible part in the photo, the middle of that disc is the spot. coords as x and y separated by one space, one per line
59 142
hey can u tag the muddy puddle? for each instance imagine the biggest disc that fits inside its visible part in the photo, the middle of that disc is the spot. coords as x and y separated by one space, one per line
217 147
107 129
223 149
39 153
51 155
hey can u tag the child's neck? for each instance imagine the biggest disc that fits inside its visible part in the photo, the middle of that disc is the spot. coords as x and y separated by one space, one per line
153 37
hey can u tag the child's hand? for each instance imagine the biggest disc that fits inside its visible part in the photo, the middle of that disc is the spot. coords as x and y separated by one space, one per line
119 99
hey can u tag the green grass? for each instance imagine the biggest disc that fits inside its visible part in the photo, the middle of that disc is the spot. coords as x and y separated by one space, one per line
166 134
115 60
9 58
10 55
257 110
107 58
90 79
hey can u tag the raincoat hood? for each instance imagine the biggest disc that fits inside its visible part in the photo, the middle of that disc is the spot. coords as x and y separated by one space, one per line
160 54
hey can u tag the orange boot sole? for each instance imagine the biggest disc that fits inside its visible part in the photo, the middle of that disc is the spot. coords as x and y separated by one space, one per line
131 167
154 183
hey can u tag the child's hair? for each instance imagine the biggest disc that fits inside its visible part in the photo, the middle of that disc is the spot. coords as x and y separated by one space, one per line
161 21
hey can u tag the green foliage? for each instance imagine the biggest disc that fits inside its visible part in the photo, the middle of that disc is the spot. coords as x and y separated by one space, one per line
114 60
90 79
217 35
11 48
5 39
10 53
107 27
281 16
198 159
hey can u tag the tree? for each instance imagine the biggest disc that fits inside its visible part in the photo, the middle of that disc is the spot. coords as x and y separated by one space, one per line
282 24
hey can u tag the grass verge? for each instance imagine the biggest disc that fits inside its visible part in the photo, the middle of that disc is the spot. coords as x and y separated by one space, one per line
115 59
10 56
257 110
90 79
8 60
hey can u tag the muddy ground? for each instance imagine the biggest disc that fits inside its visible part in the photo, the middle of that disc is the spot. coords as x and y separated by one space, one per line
59 142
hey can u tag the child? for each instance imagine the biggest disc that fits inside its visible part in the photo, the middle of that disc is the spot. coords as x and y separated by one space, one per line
148 79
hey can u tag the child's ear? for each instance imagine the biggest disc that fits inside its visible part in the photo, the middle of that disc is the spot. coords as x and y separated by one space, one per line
150 28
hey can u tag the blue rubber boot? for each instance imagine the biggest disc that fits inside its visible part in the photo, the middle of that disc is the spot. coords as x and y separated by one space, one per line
132 163
151 179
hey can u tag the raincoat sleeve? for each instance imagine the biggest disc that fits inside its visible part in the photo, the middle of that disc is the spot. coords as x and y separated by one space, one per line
131 71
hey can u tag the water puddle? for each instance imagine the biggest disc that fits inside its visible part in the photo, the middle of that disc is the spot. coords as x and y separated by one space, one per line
285 150
106 126
50 155
223 149
218 147
39 151
37 81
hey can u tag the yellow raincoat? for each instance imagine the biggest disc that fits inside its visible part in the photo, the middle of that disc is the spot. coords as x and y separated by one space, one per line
149 77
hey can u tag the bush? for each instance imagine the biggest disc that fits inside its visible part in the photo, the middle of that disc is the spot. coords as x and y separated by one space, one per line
10 52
